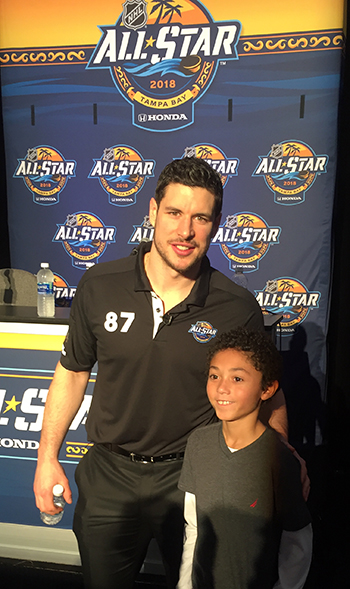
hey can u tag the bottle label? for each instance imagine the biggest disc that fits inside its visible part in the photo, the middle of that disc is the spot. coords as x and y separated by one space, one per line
45 288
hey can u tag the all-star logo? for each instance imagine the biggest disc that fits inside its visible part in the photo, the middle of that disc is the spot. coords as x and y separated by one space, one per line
45 172
164 65
63 292
203 331
84 237
290 297
143 232
122 172
226 167
290 169
244 239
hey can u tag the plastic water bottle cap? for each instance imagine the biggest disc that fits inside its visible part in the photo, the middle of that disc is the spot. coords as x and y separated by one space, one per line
44 265
57 490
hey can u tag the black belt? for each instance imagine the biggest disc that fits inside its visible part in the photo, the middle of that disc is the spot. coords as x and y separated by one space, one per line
140 457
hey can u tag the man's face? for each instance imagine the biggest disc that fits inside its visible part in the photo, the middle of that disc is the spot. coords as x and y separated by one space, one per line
183 226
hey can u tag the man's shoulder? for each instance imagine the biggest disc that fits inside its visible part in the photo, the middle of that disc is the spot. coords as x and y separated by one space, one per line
277 449
119 266
221 287
220 281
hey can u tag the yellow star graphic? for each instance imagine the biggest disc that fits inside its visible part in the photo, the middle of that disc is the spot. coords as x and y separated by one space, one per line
12 404
149 42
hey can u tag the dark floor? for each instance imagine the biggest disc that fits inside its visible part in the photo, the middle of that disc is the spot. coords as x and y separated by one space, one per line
19 574
329 505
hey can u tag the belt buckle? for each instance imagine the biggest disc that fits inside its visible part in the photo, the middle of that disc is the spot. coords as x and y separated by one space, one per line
139 458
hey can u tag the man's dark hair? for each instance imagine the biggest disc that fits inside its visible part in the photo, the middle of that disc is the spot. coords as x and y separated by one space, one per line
191 171
259 348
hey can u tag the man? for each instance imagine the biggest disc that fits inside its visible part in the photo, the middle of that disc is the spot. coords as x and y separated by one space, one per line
146 319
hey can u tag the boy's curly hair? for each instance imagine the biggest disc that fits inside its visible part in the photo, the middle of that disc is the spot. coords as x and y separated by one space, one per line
260 350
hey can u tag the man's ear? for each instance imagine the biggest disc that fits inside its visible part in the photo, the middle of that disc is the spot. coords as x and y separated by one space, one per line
153 209
270 391
216 225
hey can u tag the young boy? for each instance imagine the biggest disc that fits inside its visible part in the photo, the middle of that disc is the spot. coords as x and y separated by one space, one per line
247 525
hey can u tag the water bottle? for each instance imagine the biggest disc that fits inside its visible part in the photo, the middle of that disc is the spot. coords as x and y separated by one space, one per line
52 520
46 296
240 278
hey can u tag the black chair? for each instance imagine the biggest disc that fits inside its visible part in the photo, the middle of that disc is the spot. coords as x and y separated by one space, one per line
17 287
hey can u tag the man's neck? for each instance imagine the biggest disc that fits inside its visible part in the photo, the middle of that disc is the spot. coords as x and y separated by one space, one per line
171 286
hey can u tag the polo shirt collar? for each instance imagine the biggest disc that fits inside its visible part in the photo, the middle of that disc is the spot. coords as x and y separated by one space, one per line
199 291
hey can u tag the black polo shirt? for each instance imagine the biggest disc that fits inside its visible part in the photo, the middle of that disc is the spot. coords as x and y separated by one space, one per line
150 391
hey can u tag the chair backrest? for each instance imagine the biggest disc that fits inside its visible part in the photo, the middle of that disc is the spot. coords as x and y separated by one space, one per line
17 287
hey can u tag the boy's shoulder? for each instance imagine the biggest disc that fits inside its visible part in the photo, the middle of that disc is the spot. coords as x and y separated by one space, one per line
204 435
282 456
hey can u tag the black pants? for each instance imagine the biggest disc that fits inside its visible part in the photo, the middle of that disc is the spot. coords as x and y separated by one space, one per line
121 506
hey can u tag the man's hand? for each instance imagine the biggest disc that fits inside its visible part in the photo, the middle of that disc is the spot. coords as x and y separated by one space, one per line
65 395
48 474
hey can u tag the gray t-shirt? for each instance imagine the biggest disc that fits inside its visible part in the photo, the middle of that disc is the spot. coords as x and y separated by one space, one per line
244 500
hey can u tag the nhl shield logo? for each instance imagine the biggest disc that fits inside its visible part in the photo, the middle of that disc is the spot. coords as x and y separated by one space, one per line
134 14
277 150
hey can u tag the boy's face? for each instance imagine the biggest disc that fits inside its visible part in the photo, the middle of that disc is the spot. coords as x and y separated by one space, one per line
234 386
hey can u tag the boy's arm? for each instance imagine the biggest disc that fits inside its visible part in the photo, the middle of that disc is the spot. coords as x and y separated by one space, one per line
294 558
185 579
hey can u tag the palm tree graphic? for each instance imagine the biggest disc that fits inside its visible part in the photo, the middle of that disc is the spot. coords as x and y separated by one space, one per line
285 285
85 220
166 9
121 153
44 154
246 221
292 149
204 152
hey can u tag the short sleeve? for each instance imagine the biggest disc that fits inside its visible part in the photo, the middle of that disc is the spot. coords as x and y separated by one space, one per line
186 481
79 346
291 507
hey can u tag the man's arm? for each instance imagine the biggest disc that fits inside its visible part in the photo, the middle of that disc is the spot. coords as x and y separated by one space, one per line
274 412
64 398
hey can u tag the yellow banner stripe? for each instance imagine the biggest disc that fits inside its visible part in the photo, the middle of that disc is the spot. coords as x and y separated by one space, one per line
23 341
35 376
76 23
27 376
80 443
